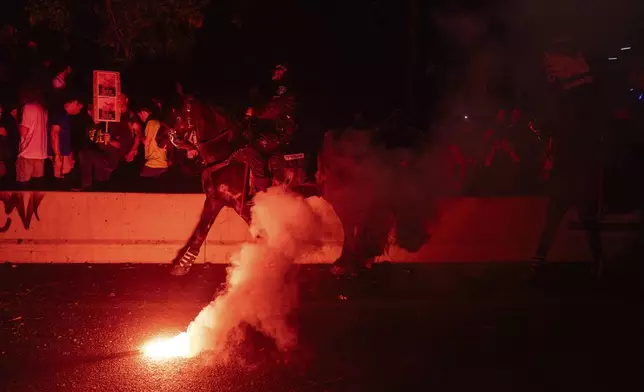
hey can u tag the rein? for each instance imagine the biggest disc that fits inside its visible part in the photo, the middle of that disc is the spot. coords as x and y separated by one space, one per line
221 135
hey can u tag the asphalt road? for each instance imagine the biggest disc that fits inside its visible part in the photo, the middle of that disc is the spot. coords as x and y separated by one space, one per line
402 328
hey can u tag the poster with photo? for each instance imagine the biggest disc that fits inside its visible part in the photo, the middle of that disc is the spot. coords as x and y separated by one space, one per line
107 88
106 109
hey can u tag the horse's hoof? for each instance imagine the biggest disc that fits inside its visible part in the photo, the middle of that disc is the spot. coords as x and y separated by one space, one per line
183 265
338 270
179 270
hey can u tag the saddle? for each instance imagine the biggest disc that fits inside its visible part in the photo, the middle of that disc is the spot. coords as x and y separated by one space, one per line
219 148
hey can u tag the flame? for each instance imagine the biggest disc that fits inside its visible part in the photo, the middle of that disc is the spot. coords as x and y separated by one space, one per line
165 348
257 292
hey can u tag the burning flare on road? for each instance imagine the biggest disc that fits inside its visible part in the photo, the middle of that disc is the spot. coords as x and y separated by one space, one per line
166 348
260 291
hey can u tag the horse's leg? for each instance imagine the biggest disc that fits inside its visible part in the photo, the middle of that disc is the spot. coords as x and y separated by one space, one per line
349 246
245 213
372 237
188 255
243 209
365 238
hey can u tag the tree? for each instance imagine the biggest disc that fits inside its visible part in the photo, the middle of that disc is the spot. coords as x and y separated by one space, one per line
128 28
53 14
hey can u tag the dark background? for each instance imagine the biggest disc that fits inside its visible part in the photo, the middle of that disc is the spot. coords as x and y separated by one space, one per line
368 55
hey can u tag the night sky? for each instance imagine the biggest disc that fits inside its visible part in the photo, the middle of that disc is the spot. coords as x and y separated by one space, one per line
367 55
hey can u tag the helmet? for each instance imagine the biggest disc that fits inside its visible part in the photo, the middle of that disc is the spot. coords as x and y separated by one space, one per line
280 78
279 71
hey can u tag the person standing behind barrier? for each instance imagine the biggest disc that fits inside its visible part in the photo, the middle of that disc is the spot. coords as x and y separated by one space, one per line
8 146
127 132
6 150
156 156
30 165
572 115
60 141
100 155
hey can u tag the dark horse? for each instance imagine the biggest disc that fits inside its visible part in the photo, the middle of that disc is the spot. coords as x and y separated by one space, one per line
202 129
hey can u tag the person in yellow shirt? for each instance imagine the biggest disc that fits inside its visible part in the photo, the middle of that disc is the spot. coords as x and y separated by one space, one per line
156 156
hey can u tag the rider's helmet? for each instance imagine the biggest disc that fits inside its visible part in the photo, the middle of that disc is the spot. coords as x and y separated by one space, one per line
279 77
279 72
271 87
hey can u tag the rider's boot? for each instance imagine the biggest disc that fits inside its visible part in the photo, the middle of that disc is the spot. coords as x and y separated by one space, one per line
262 183
184 262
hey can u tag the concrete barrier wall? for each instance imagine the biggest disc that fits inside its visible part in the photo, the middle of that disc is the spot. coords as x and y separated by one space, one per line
503 229
66 227
118 227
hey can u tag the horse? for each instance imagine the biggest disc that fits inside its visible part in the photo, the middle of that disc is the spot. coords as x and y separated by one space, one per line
205 132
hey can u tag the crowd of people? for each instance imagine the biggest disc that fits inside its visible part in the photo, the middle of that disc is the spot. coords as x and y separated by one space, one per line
499 155
49 139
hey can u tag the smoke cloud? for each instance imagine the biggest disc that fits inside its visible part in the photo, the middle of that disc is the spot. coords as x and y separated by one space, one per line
383 195
261 290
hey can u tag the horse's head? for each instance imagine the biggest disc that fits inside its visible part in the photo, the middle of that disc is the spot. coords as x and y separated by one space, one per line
196 127
205 120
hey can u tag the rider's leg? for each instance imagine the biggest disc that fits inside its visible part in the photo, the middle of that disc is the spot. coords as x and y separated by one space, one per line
189 253
259 167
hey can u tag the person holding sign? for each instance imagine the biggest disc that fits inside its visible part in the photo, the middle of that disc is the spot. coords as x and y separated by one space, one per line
100 155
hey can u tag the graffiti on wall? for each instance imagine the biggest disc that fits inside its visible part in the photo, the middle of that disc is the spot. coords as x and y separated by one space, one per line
25 203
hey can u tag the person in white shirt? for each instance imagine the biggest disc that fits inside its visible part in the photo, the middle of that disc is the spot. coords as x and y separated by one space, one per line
33 140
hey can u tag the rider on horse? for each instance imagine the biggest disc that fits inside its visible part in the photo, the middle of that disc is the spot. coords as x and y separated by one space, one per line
228 150
270 126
